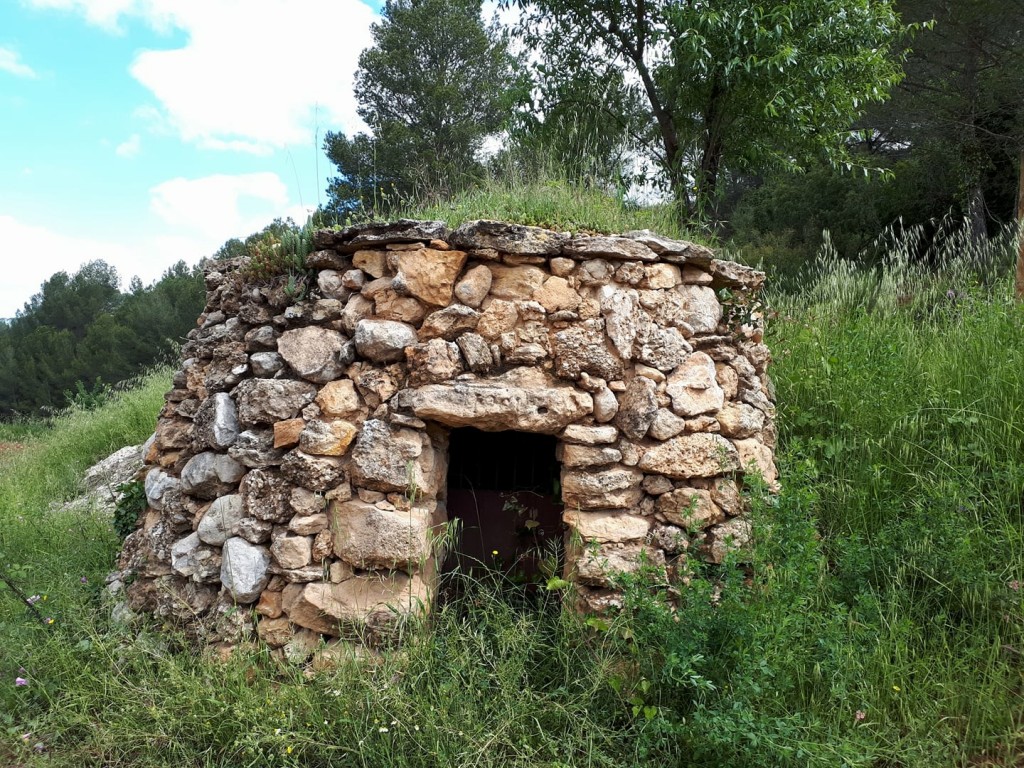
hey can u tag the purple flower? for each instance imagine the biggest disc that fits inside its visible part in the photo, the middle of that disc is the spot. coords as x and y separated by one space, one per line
20 681
34 599
84 580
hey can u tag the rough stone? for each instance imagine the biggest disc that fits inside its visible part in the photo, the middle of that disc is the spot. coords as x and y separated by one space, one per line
327 438
507 238
523 399
499 317
474 286
368 537
338 399
245 569
449 323
158 484
731 535
606 406
691 455
317 473
581 435
689 508
372 263
316 354
208 475
701 310
515 283
663 348
576 456
661 276
638 408
756 457
221 520
623 317
390 305
265 496
693 387
216 422
666 425
291 552
189 558
617 487
430 275
265 364
607 526
264 401
740 420
556 295
254 449
287 432
433 362
602 565
582 348
364 602
476 352
383 341
608 248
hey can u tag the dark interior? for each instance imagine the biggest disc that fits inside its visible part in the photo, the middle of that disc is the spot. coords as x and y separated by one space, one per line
503 488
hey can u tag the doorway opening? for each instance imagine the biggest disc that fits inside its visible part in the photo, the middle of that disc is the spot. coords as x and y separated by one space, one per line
504 490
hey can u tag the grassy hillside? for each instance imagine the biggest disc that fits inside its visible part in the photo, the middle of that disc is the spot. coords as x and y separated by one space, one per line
884 625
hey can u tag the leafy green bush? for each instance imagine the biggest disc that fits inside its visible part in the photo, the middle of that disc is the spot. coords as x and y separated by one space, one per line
130 504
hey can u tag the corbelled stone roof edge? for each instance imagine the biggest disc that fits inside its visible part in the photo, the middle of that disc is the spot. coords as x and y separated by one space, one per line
487 240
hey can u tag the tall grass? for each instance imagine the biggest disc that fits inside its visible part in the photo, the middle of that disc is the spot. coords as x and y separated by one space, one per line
879 623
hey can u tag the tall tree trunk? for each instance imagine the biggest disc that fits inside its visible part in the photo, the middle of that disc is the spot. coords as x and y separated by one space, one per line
1019 282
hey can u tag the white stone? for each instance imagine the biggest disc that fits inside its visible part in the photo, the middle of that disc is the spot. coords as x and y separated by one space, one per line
222 519
244 570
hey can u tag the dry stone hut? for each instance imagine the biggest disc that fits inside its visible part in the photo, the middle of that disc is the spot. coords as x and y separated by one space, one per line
538 387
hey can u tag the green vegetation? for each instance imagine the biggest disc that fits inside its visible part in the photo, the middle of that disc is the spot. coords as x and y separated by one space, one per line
882 622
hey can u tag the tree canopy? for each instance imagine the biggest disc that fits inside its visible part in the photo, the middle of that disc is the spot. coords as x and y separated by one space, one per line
432 88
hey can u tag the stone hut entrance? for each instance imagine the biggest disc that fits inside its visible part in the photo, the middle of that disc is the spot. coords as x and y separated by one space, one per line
504 495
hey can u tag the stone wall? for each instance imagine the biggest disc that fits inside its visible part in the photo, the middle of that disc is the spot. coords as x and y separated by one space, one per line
299 464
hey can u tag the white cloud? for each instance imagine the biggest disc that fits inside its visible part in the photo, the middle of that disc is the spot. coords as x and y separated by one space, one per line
11 63
129 147
252 76
220 206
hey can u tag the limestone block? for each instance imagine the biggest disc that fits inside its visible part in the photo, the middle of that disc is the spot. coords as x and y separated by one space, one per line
390 305
265 364
264 401
671 539
689 508
623 317
255 449
725 492
476 352
208 475
261 339
265 496
291 552
740 420
270 604
449 323
189 558
499 317
655 485
607 526
693 387
701 310
287 432
308 525
693 275
330 437
356 308
433 362
364 602
576 456
245 569
606 406
666 425
522 399
691 455
582 348
731 535
507 238
515 283
608 248
661 276
430 274
216 422
755 456
473 288
316 354
372 262
581 435
556 294
617 487
157 484
275 632
638 408
601 565
317 473
222 519
663 348
368 537
383 341
727 379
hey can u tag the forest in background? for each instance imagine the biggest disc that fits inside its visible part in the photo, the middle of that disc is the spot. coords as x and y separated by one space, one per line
757 128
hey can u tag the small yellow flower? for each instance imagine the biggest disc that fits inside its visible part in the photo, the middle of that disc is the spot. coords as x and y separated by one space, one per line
494 551
896 688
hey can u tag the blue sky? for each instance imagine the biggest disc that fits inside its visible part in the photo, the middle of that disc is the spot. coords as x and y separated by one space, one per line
142 132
